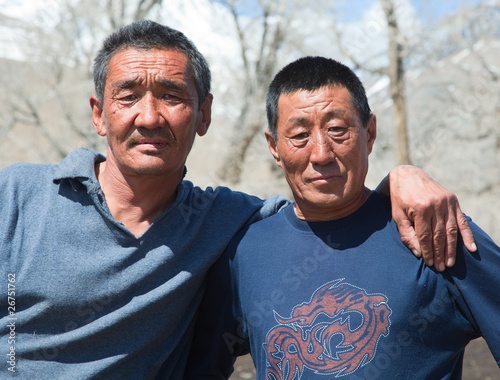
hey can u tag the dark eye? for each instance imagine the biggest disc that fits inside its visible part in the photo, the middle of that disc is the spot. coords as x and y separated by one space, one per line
170 97
339 132
300 136
130 98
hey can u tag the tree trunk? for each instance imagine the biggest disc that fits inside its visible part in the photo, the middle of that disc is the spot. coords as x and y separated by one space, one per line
397 84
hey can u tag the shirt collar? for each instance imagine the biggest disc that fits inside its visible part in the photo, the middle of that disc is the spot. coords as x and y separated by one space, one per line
79 164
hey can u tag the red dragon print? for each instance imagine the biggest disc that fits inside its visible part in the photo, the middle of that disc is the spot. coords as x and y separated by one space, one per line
336 332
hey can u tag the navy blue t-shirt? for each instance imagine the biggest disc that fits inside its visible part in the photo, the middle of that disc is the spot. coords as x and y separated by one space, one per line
346 299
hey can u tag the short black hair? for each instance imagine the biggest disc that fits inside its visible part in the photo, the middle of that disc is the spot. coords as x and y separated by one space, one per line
312 73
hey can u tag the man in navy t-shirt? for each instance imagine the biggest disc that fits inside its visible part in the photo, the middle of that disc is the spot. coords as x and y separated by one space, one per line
325 288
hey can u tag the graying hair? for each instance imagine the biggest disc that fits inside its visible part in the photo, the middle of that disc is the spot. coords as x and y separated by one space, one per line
147 35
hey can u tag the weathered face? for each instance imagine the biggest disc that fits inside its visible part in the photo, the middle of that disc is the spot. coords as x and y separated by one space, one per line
150 112
323 150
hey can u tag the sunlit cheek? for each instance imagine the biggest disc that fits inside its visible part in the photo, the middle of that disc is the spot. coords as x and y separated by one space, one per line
182 117
295 176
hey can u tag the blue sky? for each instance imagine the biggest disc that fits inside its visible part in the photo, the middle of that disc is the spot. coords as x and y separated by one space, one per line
430 11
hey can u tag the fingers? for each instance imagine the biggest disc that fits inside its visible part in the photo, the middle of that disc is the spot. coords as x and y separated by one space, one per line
456 223
437 234
465 230
451 240
439 243
417 234
438 238
428 217
408 236
431 234
424 233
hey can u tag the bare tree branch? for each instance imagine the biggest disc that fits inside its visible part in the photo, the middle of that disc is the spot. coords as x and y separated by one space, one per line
144 7
274 23
339 37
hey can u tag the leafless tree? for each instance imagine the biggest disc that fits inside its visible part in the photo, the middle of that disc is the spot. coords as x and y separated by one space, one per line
260 38
395 70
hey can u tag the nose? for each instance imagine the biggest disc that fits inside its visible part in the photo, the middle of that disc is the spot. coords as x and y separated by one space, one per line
149 113
321 151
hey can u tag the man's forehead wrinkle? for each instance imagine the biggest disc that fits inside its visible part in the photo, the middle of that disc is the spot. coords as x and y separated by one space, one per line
328 114
126 84
150 64
309 100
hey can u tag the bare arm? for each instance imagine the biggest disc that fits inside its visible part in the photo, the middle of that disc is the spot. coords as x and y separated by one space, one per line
427 215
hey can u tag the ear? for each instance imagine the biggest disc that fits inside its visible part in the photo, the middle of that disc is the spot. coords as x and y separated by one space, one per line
272 147
371 132
206 115
97 115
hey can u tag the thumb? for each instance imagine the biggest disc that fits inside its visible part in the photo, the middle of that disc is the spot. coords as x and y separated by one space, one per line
409 236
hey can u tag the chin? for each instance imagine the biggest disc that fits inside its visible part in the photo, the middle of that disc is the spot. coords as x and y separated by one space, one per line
151 165
150 170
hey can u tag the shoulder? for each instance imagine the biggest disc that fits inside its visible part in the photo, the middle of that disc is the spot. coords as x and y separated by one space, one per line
263 233
23 174
28 178
77 163
486 259
474 282
225 201
226 193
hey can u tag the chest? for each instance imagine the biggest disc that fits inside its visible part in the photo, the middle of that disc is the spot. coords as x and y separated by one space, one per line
321 310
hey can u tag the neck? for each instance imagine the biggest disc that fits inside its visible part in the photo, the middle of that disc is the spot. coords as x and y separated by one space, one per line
136 201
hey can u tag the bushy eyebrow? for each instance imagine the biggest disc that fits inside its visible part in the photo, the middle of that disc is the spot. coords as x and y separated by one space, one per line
128 84
171 85
334 113
329 115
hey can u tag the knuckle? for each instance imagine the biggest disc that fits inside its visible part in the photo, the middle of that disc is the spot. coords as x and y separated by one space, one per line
452 230
463 221
439 235
452 198
425 236
406 240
